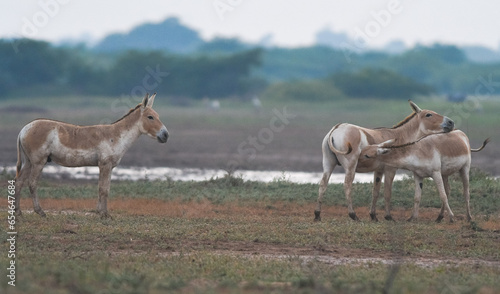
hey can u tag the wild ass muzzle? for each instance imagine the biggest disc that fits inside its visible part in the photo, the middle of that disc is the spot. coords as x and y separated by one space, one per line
343 144
69 145
437 156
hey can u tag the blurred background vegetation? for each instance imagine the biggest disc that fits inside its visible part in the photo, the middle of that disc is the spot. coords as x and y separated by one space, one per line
172 59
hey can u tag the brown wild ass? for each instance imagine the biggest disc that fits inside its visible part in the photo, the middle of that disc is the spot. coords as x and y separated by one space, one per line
344 138
437 156
45 140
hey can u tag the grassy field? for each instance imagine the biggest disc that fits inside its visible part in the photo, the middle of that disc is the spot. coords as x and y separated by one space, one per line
232 236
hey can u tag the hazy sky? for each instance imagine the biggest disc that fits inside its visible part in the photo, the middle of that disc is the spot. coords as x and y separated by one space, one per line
290 22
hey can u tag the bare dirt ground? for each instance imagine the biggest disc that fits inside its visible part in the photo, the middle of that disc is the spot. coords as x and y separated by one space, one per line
328 254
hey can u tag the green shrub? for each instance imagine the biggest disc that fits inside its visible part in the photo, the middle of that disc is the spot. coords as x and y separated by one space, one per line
380 83
303 91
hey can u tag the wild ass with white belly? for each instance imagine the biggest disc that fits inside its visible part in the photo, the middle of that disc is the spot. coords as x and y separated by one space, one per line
45 140
343 144
437 156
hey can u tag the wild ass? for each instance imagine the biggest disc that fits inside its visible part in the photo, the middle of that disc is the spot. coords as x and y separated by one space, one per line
437 156
347 136
44 140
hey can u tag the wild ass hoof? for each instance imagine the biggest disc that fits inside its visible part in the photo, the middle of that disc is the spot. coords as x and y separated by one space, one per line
389 217
105 215
439 219
18 212
373 216
317 217
353 216
411 219
40 212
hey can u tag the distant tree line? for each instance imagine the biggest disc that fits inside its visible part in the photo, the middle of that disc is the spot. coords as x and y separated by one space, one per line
39 68
438 68
227 68
367 83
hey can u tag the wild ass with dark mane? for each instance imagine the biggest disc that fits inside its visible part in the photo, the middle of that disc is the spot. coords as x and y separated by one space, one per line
437 156
343 144
45 140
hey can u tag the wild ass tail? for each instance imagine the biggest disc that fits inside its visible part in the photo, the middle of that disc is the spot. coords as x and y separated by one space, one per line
19 157
332 148
482 146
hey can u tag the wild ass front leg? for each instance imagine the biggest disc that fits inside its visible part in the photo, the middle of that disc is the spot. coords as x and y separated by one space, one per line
438 179
418 195
322 189
104 185
21 178
446 185
377 181
389 174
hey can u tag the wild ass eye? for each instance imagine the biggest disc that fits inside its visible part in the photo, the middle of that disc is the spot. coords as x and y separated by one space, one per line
150 117
366 155
428 115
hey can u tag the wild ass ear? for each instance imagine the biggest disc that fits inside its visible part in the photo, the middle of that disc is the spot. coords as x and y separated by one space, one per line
145 101
414 106
386 143
151 100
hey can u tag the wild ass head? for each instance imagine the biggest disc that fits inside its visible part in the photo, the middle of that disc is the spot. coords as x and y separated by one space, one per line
369 154
431 122
372 151
150 123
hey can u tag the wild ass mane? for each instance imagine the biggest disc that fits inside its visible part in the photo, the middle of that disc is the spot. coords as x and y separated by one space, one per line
401 123
120 119
388 146
404 121
410 143
128 113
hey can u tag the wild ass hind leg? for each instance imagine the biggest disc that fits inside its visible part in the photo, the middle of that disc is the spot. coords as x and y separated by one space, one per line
377 179
389 174
418 195
350 172
464 174
329 163
104 186
24 174
446 185
438 179
35 173
322 189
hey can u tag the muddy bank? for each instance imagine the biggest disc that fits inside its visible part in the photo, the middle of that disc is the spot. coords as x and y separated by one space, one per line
294 149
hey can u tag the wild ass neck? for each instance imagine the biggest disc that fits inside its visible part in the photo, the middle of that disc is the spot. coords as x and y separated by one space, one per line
127 131
406 132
